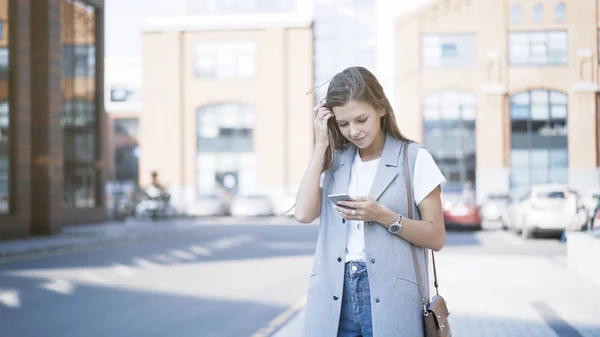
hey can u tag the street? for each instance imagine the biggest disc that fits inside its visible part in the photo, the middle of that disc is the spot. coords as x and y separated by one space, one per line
234 280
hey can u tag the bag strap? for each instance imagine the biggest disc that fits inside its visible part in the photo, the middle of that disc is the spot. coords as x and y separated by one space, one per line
409 194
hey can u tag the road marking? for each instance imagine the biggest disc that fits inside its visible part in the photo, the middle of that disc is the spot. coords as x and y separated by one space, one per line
230 241
183 255
10 298
59 286
123 270
553 319
199 250
280 320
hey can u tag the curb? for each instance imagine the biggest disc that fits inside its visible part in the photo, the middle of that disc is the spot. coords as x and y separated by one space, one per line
282 320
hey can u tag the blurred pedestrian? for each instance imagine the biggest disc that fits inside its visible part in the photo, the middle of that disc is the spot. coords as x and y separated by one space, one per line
363 281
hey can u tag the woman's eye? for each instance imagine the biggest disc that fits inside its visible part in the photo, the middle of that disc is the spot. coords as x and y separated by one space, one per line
362 121
342 125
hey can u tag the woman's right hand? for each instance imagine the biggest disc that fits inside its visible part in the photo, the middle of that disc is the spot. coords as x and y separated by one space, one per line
321 132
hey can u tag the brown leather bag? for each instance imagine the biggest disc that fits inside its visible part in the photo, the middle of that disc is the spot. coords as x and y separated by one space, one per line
435 313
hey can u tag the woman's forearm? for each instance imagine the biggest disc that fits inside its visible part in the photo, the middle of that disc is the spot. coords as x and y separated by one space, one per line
308 199
424 233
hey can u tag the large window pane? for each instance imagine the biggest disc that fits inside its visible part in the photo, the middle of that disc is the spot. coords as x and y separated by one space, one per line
78 64
225 162
225 59
536 48
449 134
4 112
539 138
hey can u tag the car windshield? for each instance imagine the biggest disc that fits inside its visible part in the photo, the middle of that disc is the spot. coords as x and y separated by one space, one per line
209 197
498 197
253 197
551 195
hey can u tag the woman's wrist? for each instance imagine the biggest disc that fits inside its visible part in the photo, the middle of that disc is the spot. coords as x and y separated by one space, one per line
387 217
320 148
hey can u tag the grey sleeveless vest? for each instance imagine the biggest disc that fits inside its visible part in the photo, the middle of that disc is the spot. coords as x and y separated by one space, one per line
395 302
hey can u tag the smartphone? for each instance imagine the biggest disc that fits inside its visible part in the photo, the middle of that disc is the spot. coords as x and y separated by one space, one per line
334 198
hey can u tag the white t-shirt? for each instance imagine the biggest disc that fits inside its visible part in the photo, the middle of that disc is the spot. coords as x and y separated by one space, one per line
427 176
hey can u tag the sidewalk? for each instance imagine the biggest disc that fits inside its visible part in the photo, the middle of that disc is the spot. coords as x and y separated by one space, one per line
509 296
96 235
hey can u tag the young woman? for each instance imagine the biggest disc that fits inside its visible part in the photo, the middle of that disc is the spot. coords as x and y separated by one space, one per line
363 281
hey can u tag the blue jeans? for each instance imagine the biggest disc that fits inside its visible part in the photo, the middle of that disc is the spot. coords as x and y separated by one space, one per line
355 317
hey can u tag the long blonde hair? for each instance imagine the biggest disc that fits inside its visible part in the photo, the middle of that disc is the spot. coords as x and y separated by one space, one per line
357 84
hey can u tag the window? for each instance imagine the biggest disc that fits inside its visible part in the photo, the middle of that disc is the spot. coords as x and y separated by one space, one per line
539 138
515 13
79 60
80 139
538 48
454 50
5 145
225 128
125 135
3 63
4 156
225 144
538 13
225 60
559 12
120 93
449 134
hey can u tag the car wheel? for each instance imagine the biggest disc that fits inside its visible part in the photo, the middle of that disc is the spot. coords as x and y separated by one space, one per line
525 232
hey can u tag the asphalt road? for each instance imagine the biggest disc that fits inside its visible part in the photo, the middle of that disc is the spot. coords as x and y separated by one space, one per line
221 280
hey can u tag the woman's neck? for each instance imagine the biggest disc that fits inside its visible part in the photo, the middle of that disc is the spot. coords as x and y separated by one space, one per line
374 150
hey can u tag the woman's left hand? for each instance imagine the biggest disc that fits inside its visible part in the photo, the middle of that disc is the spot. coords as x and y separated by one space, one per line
365 209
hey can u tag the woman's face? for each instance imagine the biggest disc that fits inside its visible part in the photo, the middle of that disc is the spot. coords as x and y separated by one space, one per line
359 122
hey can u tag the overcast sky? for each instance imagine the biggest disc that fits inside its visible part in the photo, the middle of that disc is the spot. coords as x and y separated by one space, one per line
125 19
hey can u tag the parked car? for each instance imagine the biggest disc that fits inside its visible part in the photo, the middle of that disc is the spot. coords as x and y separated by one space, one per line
549 208
285 206
591 199
208 205
251 205
494 207
592 204
595 220
460 211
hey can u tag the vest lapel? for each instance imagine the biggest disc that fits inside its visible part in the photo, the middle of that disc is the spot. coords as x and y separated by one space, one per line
388 166
342 175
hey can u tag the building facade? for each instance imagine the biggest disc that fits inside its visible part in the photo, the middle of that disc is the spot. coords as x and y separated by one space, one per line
51 115
504 94
225 105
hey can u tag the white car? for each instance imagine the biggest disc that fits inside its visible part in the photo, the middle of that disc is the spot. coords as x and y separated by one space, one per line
494 207
207 205
547 208
251 205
